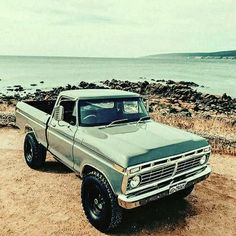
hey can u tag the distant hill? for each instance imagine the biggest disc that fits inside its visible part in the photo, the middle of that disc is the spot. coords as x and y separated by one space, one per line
198 55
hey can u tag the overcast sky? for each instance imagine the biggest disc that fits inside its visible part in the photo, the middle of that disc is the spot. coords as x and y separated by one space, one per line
118 28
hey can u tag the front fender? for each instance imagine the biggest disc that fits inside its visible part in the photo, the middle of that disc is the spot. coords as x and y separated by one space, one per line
84 157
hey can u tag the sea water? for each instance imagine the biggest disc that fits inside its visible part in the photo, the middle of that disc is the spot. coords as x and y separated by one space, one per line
216 76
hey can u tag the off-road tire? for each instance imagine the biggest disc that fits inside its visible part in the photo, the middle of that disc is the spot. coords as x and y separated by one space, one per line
109 215
35 153
183 193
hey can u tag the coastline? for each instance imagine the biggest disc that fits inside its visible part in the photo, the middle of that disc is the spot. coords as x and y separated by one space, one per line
175 92
174 103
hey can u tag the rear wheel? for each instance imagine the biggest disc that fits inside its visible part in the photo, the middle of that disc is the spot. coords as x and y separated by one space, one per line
99 202
35 153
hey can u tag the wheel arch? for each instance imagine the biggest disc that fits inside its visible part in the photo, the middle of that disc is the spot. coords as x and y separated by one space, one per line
29 129
87 168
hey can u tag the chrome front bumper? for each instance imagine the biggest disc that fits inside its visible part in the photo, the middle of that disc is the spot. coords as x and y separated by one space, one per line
130 202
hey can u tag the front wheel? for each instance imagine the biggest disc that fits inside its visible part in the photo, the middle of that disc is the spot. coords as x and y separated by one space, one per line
35 153
99 202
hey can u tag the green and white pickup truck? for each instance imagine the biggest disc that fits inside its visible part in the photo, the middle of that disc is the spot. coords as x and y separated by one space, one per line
124 158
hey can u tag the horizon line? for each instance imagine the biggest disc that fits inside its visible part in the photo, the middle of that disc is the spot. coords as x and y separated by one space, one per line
113 57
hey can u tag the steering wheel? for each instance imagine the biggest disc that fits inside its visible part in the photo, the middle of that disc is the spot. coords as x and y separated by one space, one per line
89 116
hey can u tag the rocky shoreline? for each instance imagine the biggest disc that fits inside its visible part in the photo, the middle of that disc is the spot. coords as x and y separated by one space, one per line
177 104
175 94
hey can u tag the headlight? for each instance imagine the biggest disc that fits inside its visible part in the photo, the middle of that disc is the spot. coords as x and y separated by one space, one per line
135 181
207 149
203 160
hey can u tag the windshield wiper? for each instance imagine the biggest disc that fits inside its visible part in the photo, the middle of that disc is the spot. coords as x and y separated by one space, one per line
116 121
143 118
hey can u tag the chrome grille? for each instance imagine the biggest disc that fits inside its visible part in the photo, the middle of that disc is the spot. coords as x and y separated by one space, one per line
167 171
188 164
173 168
156 175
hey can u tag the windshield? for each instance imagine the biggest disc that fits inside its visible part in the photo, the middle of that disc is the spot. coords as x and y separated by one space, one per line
107 111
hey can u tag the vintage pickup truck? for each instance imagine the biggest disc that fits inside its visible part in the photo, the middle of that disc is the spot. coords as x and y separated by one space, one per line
124 158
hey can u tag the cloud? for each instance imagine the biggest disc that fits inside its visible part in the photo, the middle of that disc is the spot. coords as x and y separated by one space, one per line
115 28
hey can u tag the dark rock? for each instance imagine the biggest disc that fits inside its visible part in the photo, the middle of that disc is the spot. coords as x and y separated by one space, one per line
91 86
170 82
161 89
33 85
172 100
145 83
191 84
118 87
105 82
83 84
21 89
74 87
173 110
18 88
192 98
207 116
226 97
127 89
184 110
187 114
196 108
142 77
68 87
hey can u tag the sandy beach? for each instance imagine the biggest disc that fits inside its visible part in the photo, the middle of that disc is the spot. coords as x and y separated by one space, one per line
47 202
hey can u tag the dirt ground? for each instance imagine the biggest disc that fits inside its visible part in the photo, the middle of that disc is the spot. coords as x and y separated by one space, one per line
48 202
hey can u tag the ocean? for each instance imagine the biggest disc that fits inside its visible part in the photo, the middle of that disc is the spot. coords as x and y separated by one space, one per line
216 76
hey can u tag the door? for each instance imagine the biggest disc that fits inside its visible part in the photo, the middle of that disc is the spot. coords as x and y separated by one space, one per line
61 133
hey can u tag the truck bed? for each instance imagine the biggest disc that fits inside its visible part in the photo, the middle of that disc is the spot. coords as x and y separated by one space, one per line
45 106
34 114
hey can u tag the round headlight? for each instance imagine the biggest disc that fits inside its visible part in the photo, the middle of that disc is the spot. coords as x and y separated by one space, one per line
203 159
135 181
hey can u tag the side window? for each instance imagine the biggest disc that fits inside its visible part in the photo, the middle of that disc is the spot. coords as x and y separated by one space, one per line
69 111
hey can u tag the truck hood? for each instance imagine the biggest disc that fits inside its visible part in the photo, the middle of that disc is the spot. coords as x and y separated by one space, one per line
131 144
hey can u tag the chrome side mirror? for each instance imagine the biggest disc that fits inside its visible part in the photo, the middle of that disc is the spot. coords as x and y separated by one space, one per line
58 113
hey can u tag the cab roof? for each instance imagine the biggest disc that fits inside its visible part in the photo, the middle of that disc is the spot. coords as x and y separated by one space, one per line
97 93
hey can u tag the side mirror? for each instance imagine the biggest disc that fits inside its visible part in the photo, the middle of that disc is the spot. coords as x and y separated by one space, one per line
58 113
